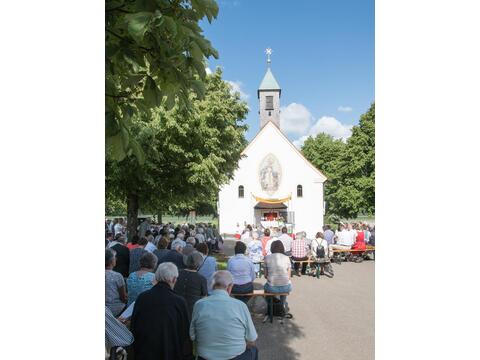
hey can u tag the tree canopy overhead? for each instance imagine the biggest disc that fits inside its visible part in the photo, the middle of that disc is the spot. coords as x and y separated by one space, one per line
155 52
350 168
189 153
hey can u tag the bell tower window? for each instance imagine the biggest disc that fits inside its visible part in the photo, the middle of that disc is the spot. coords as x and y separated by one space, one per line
268 102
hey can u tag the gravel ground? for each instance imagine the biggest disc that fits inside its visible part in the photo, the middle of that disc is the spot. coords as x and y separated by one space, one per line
332 318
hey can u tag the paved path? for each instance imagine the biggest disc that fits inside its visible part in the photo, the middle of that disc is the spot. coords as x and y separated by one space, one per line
333 318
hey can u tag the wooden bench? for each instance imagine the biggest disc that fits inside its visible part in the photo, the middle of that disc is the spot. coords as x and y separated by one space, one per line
369 249
264 294
309 261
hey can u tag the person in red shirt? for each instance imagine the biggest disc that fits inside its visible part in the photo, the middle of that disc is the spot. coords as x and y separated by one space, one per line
266 237
360 239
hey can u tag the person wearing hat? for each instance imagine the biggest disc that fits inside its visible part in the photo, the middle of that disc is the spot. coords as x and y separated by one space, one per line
190 284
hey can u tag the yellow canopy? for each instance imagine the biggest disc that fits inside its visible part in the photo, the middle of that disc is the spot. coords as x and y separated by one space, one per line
272 201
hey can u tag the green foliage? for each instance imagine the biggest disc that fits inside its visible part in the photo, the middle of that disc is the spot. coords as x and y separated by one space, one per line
350 168
189 152
155 52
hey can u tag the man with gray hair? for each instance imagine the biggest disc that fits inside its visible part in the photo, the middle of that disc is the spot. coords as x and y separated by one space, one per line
160 322
221 325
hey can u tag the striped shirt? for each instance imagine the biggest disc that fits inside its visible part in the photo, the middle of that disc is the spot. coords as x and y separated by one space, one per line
116 333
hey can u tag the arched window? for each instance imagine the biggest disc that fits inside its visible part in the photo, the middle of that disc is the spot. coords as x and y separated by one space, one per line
299 191
241 192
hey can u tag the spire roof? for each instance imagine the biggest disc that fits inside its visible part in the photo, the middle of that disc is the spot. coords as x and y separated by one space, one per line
269 82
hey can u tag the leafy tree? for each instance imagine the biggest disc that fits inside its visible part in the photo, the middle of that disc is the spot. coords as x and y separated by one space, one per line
356 192
350 168
155 53
324 152
189 153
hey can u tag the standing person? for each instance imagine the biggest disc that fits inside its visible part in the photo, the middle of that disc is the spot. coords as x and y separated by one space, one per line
238 232
299 253
286 241
118 227
208 267
255 251
242 270
221 325
115 293
328 234
143 227
122 255
190 284
266 237
160 320
143 279
136 254
278 271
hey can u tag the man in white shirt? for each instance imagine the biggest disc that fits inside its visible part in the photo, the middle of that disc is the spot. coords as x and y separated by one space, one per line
118 227
352 232
344 240
286 241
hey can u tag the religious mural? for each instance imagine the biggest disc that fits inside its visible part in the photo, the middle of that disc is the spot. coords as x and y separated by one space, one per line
270 174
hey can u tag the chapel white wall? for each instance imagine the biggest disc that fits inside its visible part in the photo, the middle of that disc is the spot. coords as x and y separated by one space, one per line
295 171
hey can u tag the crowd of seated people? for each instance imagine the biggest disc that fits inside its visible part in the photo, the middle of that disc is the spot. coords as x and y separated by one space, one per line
182 308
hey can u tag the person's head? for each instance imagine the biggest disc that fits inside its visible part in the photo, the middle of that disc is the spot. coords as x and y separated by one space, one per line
148 233
194 260
167 272
277 247
319 235
267 232
255 235
181 235
120 239
135 239
249 227
142 241
118 236
191 241
110 259
222 280
341 227
109 235
240 248
299 235
148 261
163 243
284 230
202 248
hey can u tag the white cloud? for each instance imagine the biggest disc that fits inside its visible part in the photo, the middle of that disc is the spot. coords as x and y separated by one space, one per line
328 125
237 87
208 70
344 108
295 118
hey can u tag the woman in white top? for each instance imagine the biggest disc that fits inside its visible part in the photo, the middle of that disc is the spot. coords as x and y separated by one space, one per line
278 270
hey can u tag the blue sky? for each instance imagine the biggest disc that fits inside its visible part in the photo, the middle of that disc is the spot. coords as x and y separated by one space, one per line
323 59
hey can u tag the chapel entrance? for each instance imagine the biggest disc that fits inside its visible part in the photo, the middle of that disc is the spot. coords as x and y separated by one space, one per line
271 215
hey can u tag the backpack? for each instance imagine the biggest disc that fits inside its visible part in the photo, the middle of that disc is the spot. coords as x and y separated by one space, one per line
278 308
320 251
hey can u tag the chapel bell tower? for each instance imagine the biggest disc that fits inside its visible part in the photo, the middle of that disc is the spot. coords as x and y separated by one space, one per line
269 96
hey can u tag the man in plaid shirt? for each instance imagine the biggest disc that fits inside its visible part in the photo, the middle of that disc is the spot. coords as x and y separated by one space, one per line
299 252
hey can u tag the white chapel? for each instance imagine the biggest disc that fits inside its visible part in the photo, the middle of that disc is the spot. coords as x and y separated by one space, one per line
274 184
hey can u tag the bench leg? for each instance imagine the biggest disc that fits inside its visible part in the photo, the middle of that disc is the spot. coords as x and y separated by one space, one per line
318 271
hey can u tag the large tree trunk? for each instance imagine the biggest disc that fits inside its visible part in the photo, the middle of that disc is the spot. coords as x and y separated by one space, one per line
132 215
